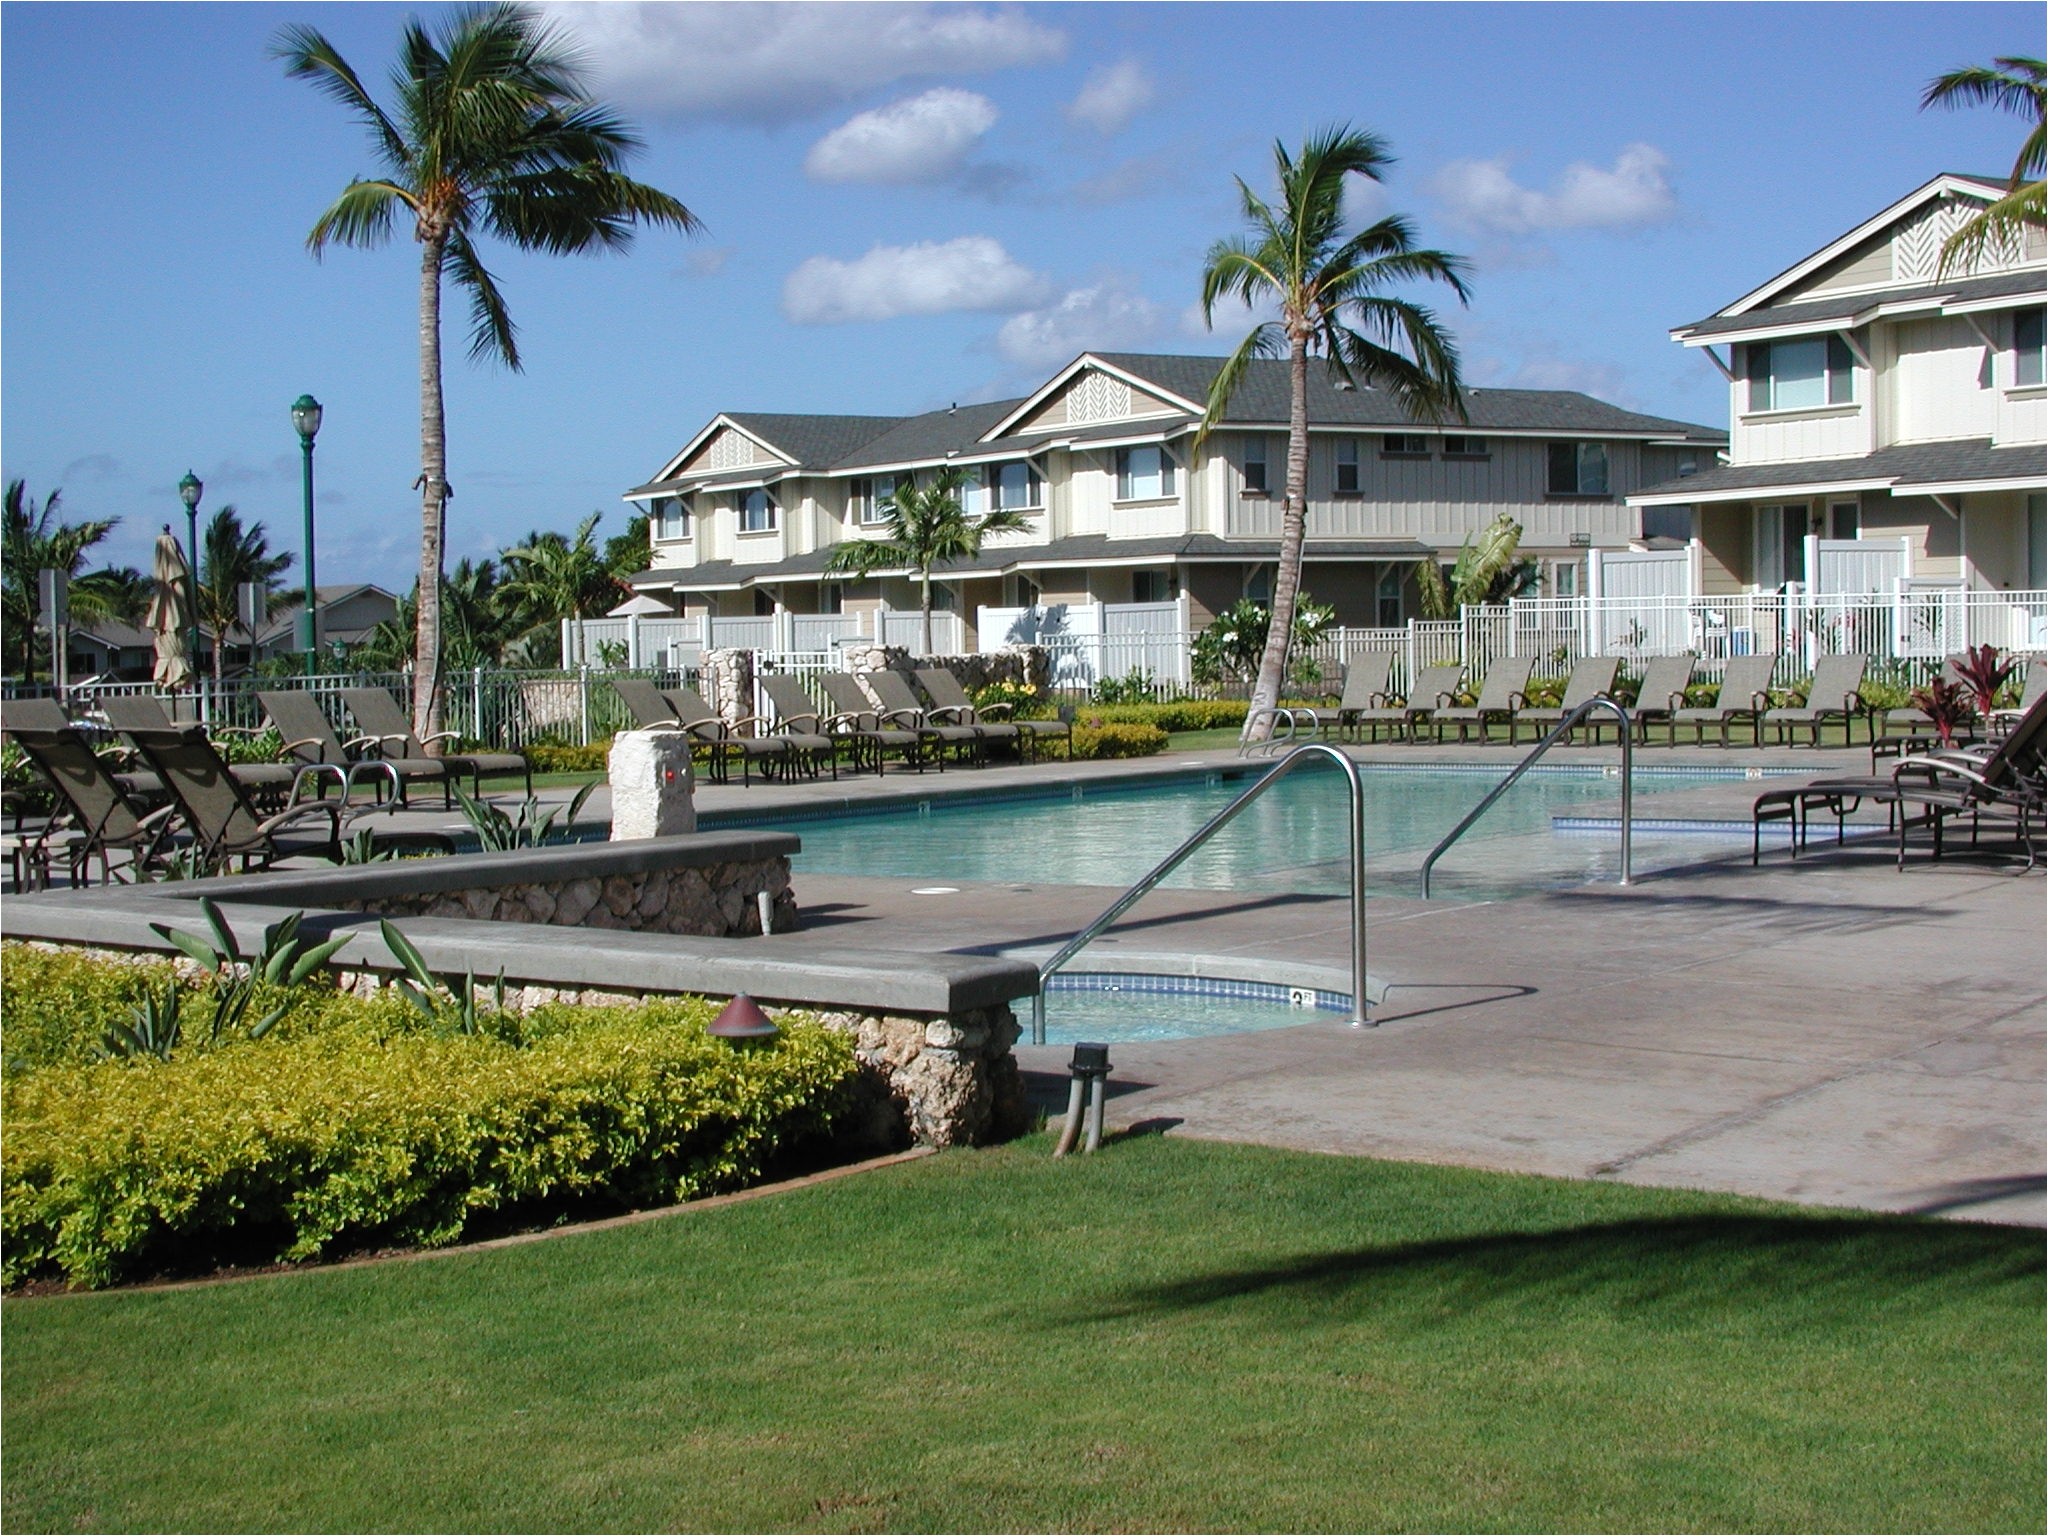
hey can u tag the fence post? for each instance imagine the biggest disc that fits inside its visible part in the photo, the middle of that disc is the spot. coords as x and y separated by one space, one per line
476 705
583 682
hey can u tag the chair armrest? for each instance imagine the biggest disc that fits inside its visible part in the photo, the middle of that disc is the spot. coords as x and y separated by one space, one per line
1379 701
817 722
963 712
238 730
761 720
363 743
428 741
300 812
912 718
1934 767
1523 697
995 711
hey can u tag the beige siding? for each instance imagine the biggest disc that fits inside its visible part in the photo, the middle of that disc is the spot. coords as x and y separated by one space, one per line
1931 534
1725 549
1939 385
1995 539
1868 265
1825 432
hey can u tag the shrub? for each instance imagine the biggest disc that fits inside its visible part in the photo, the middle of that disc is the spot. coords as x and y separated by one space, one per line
1134 687
1026 702
235 747
61 1001
594 758
371 1129
1095 738
1179 715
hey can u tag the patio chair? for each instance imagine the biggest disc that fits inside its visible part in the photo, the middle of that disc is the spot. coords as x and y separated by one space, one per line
798 722
317 747
96 816
724 738
856 717
1365 688
1833 694
1662 695
900 706
1745 695
1433 686
48 715
127 712
1589 680
1504 683
948 697
380 716
2032 690
225 823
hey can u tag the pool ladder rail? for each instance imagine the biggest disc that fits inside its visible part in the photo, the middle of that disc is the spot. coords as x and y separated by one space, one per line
1564 728
1130 898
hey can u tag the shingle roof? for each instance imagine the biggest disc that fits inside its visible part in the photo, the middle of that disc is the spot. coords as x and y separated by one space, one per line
1903 467
930 436
816 442
1820 312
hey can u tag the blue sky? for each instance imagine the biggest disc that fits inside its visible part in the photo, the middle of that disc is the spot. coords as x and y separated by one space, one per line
906 205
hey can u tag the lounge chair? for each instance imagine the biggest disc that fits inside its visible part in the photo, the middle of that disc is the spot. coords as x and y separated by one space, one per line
856 717
798 722
1433 686
2032 691
380 716
97 816
1662 694
315 745
1365 688
1833 694
1745 695
1504 683
1589 680
127 712
224 822
901 707
649 707
952 706
48 715
708 725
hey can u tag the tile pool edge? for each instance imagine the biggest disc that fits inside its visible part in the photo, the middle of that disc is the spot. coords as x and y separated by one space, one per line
1327 979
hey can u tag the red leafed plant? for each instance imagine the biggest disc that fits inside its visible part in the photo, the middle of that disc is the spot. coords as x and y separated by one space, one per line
1983 674
1944 703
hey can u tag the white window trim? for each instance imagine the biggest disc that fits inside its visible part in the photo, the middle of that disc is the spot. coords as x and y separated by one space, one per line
774 524
1807 413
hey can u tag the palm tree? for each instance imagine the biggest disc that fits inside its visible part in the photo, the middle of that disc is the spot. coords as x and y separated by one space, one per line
32 540
1328 286
928 527
2018 85
229 555
1487 570
549 578
493 133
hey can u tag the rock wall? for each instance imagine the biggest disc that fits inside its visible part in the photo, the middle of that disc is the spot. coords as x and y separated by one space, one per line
1029 666
728 684
714 901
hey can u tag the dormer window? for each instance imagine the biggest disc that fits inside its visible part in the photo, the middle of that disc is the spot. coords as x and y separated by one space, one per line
1800 375
2026 348
867 500
757 512
1143 474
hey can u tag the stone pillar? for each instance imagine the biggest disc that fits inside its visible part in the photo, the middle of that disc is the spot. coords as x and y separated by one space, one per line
730 674
653 791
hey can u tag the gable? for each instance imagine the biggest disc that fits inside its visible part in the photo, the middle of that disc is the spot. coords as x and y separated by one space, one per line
727 448
1091 397
1908 252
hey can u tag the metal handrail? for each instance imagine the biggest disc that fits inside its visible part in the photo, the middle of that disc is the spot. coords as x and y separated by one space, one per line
1564 726
1273 745
1216 823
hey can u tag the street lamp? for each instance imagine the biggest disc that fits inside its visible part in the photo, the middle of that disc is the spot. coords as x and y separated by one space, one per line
189 490
306 417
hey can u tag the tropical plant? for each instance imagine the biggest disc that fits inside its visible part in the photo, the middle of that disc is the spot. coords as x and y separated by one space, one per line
549 578
1234 644
627 552
34 539
497 832
2018 85
230 555
493 133
1945 703
1979 670
928 528
443 1004
1487 570
1329 288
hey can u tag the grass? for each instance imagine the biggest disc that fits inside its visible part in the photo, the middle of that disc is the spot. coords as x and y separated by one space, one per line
1169 1335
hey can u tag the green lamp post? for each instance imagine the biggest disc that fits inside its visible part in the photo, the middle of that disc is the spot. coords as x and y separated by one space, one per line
306 418
189 490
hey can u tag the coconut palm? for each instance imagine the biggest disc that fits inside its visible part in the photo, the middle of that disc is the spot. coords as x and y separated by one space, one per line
549 578
2018 85
1487 570
34 539
1329 286
928 528
230 555
492 133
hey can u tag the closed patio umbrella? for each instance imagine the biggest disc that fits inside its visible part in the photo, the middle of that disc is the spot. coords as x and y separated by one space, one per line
169 611
643 606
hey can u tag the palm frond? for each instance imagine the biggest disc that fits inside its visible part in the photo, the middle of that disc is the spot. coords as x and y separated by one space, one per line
491 332
360 217
307 55
1262 341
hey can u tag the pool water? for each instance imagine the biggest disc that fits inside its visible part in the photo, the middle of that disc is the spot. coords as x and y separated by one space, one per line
1293 838
1113 1009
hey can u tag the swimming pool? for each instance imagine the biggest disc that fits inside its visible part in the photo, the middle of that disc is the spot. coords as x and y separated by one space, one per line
1121 1009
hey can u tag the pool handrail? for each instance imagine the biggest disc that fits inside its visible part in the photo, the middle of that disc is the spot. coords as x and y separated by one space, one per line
1563 727
1166 866
1279 741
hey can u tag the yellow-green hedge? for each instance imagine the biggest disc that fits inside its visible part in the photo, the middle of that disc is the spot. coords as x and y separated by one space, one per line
369 1130
1113 739
1179 715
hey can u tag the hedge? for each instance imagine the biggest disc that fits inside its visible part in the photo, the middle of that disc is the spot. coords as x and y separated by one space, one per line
1181 715
365 1128
1113 739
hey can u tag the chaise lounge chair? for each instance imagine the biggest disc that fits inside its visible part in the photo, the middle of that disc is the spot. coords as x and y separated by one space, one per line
1504 683
855 716
380 716
97 815
693 713
1589 680
1834 694
128 712
224 822
798 722
1745 695
1662 695
950 700
1365 689
901 707
315 745
1433 687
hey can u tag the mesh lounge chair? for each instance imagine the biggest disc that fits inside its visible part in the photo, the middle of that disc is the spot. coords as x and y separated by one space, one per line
97 815
1433 686
379 716
801 723
1504 683
1662 695
856 716
707 725
224 822
1832 695
1589 680
952 706
127 712
1745 695
2032 691
48 715
1365 688
317 747
900 707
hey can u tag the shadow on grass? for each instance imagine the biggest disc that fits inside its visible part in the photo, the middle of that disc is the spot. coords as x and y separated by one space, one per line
1699 1265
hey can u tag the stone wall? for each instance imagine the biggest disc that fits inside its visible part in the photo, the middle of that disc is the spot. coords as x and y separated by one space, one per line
728 684
711 901
1029 666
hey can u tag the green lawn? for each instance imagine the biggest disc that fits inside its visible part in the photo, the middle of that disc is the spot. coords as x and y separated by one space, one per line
1168 1335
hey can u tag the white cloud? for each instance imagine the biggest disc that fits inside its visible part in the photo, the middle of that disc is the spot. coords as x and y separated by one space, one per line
918 139
971 273
1112 96
706 261
779 63
1106 318
1482 195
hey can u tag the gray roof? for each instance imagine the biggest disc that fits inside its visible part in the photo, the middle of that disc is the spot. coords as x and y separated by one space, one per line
1822 312
1904 466
813 441
933 435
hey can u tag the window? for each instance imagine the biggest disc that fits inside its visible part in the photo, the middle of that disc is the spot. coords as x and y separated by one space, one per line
1152 587
757 512
1143 474
1844 519
1346 481
1011 487
2026 344
1564 578
832 597
867 501
1258 586
1388 598
1666 523
1027 592
1578 469
670 516
1800 375
1405 445
1780 546
1457 447
1255 483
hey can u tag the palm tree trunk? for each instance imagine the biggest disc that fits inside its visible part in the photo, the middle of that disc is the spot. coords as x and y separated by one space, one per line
426 677
1293 524
926 589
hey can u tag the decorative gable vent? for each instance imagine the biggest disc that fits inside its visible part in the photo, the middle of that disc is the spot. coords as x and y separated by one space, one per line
1098 397
1917 242
730 450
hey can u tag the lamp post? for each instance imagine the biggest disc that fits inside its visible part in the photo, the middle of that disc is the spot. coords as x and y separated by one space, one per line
189 490
306 417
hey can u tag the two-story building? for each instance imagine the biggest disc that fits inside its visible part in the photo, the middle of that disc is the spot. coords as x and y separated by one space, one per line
1887 421
1121 507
